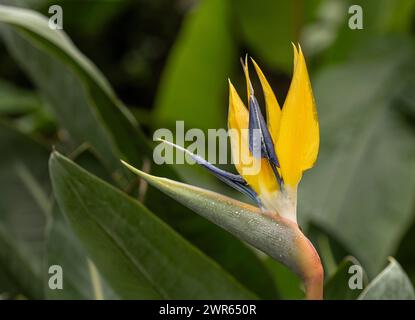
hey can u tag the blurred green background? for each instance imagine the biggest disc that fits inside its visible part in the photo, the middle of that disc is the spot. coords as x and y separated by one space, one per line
170 60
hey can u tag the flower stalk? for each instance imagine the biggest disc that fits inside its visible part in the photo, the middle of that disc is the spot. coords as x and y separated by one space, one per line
311 270
305 261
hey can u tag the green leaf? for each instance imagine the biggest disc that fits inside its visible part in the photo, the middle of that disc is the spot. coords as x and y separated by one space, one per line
391 284
361 188
279 238
24 204
80 96
194 84
153 261
337 286
81 279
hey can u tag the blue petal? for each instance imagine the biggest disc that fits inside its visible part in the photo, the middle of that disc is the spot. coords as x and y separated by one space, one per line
235 181
260 142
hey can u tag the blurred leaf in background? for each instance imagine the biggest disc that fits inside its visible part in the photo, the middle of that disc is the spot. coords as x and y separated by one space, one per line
24 206
366 167
380 18
267 26
197 69
14 100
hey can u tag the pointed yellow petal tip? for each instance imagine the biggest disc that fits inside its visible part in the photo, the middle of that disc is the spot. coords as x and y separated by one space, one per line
298 140
249 88
233 95
295 53
294 47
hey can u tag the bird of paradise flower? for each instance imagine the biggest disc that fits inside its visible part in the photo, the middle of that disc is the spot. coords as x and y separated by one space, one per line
283 147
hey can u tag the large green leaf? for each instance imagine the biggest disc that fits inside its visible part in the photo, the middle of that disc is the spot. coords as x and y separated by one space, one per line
78 93
152 260
361 189
23 207
391 284
81 280
194 85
